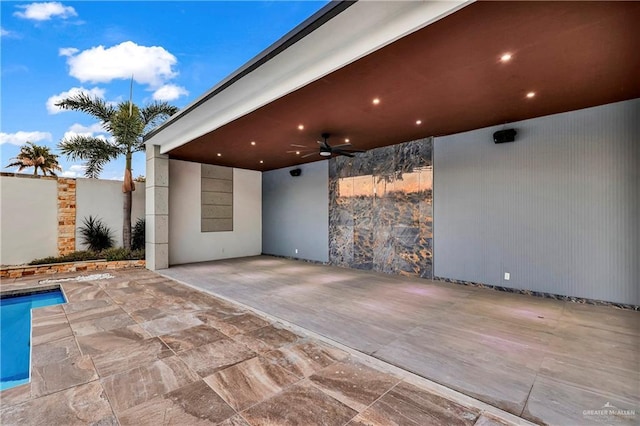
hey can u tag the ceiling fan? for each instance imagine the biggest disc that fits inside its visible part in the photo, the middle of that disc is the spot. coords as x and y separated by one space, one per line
327 150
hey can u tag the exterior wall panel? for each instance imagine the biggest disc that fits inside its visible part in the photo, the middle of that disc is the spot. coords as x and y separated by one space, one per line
557 209
187 242
296 212
29 218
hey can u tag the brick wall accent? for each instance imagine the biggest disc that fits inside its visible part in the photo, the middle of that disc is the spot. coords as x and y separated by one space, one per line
66 216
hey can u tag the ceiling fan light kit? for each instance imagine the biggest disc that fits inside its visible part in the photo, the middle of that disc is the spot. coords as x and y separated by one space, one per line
327 150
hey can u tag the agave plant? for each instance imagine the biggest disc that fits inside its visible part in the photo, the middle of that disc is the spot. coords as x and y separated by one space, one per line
96 235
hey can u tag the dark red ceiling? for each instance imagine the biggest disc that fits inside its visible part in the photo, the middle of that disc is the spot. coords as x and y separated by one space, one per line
571 54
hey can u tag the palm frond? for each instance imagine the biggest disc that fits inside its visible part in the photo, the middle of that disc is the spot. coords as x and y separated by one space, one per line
155 113
86 147
15 164
96 151
139 146
94 106
94 167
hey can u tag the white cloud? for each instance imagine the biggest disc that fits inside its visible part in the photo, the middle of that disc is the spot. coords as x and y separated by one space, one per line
53 100
67 51
76 170
19 138
169 92
95 130
148 65
45 11
6 33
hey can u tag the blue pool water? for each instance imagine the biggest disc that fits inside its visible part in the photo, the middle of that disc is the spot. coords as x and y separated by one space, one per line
15 334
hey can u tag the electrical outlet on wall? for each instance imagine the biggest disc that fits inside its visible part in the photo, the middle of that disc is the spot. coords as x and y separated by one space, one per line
507 276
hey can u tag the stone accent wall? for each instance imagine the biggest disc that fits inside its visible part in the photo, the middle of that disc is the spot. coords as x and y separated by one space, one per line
66 216
216 198
55 268
381 210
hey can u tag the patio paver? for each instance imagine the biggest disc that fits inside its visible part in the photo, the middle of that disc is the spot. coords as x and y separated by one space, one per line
543 359
196 360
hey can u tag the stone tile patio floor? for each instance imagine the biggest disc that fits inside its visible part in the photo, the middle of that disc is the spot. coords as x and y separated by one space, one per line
142 349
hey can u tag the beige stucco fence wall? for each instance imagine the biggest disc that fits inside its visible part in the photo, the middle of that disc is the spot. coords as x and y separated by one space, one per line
41 217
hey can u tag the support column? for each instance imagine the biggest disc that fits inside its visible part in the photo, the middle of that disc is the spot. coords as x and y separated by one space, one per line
157 209
66 216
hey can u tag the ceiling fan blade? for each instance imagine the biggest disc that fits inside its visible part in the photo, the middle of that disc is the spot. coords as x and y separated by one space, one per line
309 155
355 150
343 152
298 151
299 146
344 145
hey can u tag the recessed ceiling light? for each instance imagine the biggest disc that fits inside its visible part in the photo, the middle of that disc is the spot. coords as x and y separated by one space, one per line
346 140
297 152
261 162
531 95
376 101
253 142
219 155
505 57
300 127
418 122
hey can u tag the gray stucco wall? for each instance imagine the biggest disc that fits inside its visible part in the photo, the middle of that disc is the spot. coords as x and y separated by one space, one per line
187 242
295 212
104 199
29 219
557 209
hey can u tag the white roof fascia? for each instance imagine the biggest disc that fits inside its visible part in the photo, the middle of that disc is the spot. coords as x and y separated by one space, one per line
354 33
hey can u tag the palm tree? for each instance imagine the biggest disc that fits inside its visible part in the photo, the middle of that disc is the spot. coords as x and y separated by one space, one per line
38 157
127 124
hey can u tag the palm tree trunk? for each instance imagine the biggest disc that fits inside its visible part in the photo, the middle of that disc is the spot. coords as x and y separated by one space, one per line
127 188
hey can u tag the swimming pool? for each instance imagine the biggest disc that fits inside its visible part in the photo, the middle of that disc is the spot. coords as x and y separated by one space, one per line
15 334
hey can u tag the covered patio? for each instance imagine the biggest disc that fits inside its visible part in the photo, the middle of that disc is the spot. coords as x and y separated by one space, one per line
396 250
548 361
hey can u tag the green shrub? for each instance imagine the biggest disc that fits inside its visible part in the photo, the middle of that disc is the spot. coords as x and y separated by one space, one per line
137 254
80 256
121 253
76 256
138 235
96 235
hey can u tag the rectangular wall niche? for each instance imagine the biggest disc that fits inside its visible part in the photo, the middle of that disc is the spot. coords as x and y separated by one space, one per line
216 198
381 209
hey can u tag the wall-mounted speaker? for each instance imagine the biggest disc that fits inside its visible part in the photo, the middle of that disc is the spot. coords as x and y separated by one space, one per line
295 172
506 135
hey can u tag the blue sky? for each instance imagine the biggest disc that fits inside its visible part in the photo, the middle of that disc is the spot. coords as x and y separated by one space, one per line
175 50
